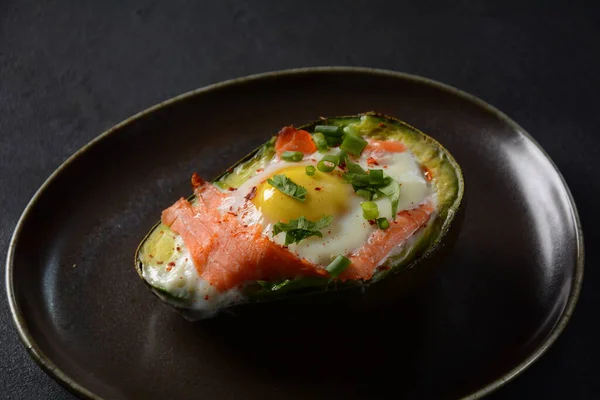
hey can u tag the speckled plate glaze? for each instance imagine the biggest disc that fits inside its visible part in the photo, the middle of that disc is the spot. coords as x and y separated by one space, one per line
495 306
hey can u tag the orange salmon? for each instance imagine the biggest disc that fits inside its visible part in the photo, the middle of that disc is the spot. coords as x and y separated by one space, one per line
225 252
384 146
291 139
382 242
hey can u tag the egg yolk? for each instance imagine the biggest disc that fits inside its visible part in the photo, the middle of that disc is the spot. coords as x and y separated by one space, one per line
327 194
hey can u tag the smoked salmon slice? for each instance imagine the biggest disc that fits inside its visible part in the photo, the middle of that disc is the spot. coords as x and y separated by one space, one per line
225 252
292 139
384 146
382 242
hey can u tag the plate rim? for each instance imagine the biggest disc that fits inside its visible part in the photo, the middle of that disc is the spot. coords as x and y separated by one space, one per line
48 366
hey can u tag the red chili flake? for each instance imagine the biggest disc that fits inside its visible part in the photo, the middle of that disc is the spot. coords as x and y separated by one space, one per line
372 222
178 248
232 213
371 161
160 262
385 166
259 170
197 180
245 226
230 208
318 188
161 232
381 124
150 255
285 247
251 194
231 189
230 169
427 172
206 297
171 264
186 259
384 267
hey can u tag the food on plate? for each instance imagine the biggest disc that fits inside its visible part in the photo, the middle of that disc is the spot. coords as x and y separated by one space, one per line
339 204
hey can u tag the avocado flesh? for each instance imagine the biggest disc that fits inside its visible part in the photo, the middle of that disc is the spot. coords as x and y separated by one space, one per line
400 269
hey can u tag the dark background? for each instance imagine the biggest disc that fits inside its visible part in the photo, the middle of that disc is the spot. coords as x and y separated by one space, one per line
70 70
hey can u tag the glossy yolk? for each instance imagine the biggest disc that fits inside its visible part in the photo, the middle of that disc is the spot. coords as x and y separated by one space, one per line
327 194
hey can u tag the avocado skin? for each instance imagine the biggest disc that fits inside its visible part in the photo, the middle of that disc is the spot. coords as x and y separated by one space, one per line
350 298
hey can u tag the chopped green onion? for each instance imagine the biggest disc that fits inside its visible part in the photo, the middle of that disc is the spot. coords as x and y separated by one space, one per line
292 156
351 130
337 266
370 210
329 130
353 144
392 190
353 167
325 166
357 180
320 141
310 170
333 141
383 223
376 177
332 158
365 193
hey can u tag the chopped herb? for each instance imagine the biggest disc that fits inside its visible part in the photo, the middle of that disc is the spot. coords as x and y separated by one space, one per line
329 130
353 167
331 158
383 223
370 210
353 143
301 228
373 181
333 141
320 142
365 194
392 190
288 187
376 177
337 266
292 156
325 166
310 170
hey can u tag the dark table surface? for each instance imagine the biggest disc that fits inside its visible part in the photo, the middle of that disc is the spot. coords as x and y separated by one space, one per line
70 70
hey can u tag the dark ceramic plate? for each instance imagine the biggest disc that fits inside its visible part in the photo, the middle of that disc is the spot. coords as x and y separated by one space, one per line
501 299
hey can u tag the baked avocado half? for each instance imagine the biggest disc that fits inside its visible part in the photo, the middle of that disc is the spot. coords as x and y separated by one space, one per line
347 211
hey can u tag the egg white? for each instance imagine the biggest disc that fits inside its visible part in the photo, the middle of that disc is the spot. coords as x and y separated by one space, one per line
349 230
